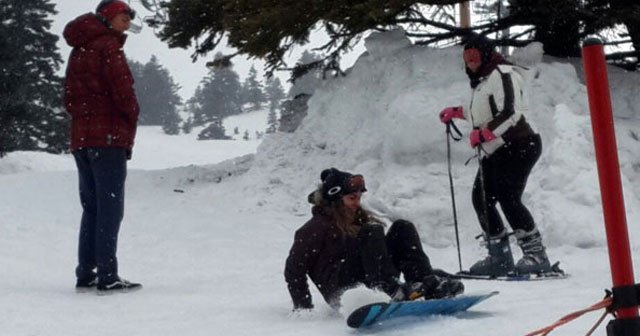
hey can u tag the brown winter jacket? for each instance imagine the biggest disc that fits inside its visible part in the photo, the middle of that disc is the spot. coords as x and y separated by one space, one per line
99 92
319 250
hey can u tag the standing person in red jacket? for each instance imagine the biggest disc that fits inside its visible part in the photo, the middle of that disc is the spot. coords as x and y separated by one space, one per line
100 98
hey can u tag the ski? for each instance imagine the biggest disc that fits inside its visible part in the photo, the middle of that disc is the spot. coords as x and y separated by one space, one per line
556 273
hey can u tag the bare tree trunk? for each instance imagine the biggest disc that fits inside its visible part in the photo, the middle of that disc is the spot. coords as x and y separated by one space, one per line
465 15
633 26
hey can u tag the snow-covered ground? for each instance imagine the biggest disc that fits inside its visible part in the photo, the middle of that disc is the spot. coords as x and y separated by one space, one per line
208 239
156 150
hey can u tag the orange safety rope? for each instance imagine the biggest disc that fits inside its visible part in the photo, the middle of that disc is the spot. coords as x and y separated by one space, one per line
605 303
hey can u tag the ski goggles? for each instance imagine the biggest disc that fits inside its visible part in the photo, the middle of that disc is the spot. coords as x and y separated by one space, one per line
355 184
472 55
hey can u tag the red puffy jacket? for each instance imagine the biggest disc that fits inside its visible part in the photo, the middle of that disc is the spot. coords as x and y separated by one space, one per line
99 92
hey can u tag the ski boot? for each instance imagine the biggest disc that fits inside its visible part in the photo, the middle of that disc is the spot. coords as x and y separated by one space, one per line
499 262
534 259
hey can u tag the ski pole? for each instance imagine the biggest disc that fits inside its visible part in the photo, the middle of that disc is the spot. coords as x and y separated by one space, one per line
483 195
453 195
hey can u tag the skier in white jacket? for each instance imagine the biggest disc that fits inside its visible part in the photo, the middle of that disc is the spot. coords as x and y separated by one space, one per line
509 148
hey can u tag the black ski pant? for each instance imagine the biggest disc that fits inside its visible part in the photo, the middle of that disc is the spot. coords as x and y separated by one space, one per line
378 260
505 175
102 172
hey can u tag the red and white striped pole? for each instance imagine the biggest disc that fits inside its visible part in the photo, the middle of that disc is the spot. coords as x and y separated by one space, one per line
625 294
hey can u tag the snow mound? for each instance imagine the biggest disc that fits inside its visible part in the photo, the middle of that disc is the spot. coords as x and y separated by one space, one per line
530 55
21 162
381 121
380 44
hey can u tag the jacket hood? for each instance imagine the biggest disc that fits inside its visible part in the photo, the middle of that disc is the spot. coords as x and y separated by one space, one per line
84 29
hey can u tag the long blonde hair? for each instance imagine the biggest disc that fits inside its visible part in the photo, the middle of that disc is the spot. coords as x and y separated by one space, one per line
348 222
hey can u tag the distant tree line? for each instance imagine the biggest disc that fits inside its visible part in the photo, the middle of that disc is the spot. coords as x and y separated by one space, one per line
32 113
221 94
157 96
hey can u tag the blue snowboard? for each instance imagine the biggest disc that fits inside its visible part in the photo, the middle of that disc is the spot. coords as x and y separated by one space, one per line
382 311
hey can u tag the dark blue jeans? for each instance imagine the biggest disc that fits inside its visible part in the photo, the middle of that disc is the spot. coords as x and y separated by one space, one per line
102 172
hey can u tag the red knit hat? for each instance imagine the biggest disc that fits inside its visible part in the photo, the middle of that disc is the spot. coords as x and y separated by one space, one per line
109 9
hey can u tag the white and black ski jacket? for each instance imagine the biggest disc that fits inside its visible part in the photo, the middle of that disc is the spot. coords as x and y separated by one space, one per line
499 103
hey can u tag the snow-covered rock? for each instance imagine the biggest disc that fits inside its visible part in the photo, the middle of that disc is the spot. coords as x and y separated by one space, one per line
380 44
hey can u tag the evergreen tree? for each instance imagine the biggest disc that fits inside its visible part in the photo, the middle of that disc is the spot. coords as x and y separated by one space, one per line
217 96
308 82
136 70
269 30
272 121
32 115
157 95
246 135
557 24
171 124
187 125
252 90
292 111
274 92
214 131
193 107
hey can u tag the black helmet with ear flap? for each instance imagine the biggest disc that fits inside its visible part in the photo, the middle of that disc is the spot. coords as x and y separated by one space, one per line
482 44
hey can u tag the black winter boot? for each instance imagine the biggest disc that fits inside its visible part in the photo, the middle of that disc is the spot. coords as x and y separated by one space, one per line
499 262
534 259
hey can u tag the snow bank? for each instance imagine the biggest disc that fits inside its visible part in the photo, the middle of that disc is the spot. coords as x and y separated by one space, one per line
381 121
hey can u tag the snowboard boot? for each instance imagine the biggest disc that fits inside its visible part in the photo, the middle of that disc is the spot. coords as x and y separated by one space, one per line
499 262
534 258
397 291
431 287
435 287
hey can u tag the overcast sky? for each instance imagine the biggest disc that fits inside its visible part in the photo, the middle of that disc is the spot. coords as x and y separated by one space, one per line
141 46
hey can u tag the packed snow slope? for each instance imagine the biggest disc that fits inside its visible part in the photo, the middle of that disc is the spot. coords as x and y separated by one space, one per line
208 239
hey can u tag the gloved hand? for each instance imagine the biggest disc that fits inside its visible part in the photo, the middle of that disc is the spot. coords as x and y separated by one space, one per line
479 136
451 112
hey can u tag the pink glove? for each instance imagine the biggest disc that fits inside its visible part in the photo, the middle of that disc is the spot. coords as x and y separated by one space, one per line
479 136
451 112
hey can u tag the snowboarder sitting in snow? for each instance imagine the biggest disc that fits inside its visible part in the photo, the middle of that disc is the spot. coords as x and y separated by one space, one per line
509 149
343 245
